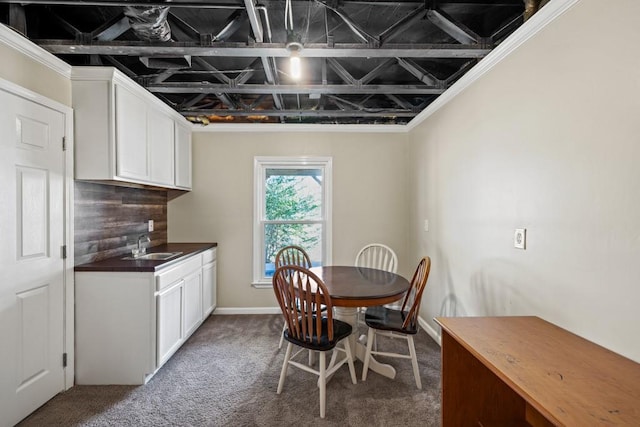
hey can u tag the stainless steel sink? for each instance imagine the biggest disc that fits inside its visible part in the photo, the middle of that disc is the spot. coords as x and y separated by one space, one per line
155 256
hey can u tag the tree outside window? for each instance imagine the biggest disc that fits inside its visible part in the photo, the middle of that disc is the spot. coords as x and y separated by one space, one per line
293 212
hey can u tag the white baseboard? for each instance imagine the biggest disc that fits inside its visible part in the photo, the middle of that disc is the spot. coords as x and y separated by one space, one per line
430 331
246 310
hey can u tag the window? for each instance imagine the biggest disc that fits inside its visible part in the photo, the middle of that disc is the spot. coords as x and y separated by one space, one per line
292 206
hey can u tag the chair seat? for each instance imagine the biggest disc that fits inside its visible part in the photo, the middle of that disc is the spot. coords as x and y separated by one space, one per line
388 319
340 330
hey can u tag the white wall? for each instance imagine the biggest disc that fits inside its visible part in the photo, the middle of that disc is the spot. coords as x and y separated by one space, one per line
27 65
369 199
548 140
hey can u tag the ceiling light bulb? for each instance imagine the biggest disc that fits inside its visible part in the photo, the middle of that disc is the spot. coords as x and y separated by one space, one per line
295 66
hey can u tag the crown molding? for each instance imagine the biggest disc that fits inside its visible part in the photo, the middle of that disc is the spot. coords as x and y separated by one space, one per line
23 45
547 14
281 128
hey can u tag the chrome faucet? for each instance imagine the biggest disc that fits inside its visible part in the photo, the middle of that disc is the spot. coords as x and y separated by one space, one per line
142 237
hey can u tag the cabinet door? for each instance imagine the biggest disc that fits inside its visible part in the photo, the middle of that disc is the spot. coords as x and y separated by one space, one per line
131 135
192 302
161 149
170 326
208 288
183 156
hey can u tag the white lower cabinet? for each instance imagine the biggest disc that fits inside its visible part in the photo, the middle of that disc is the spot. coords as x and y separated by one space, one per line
170 328
209 285
192 302
128 324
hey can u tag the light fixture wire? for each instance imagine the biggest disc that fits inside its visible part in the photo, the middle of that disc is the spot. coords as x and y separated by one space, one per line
288 16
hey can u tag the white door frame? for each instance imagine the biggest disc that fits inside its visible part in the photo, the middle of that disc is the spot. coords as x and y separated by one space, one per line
68 285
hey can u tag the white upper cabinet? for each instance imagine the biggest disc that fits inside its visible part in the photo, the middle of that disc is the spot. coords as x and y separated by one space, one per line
161 153
132 141
183 156
125 134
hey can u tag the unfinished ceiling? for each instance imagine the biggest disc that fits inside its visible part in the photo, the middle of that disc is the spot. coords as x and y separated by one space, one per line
363 62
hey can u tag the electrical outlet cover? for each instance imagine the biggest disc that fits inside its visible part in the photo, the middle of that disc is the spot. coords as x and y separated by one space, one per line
150 225
520 238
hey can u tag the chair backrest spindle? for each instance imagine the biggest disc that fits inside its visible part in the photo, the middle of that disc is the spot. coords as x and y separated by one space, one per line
378 256
292 255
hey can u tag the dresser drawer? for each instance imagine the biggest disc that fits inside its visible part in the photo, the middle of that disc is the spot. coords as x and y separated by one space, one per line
165 278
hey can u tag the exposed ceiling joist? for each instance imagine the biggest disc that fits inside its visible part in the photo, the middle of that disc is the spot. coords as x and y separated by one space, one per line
355 28
179 25
160 77
239 50
302 113
371 75
419 73
293 89
364 61
17 18
402 24
401 102
254 19
200 4
455 29
111 29
341 71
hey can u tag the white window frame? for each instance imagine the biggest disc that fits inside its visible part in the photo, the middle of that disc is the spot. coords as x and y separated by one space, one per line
260 166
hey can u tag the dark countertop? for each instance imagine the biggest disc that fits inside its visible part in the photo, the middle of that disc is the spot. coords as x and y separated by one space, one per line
119 264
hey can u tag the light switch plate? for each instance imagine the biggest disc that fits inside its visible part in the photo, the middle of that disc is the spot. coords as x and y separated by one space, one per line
520 238
150 225
426 225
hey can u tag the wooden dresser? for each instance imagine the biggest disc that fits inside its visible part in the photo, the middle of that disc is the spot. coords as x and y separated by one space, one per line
524 371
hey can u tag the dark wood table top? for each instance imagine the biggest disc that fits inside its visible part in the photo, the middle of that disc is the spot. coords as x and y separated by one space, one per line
351 286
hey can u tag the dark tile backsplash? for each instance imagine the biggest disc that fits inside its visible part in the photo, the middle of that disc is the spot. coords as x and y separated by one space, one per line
109 219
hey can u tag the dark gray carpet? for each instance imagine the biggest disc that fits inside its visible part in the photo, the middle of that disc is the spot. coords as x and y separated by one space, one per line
227 373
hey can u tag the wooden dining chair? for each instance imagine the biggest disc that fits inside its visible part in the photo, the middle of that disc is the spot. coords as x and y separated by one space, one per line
291 255
380 257
302 296
402 323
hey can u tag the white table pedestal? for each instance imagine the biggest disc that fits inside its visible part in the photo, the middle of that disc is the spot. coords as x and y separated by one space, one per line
359 344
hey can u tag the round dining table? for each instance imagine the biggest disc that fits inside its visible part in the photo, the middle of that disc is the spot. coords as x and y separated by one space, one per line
351 287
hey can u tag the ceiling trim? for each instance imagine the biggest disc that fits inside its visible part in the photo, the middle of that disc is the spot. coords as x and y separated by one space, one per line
532 26
292 127
23 45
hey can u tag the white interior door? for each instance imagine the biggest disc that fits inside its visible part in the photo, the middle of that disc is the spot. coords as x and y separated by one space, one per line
31 265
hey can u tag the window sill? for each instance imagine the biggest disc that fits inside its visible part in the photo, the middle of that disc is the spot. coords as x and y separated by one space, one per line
262 285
